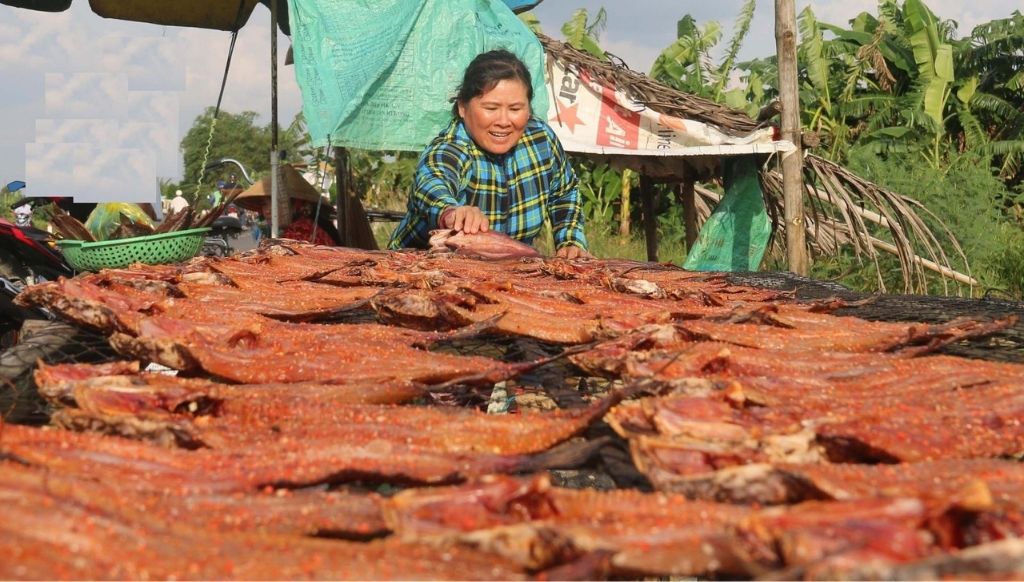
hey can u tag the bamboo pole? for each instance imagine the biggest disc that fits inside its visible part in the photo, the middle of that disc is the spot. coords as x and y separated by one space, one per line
932 265
792 161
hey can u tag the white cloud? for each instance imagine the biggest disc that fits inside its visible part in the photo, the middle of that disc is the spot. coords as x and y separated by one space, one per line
91 95
94 131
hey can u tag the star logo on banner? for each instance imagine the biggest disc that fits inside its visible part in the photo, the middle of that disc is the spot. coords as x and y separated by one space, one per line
567 116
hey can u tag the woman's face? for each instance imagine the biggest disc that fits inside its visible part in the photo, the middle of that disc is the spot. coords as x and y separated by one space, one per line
496 119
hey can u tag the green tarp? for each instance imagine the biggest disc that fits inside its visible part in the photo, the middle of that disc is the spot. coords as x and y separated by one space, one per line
378 74
736 235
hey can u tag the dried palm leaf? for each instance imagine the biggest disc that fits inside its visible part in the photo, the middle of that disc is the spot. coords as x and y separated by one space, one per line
69 227
853 203
180 220
215 212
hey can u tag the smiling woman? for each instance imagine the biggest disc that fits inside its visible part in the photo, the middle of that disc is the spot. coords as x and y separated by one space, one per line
495 167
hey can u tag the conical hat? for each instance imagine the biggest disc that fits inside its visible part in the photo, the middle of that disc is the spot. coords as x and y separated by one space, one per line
291 184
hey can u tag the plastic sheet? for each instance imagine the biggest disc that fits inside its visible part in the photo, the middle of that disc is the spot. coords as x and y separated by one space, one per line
379 75
107 216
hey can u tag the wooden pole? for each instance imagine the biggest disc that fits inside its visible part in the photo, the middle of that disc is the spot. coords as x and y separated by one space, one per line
792 162
688 197
624 203
650 220
342 187
279 213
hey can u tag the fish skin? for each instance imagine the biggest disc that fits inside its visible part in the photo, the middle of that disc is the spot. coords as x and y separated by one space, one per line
266 351
287 463
221 415
489 245
536 525
47 536
297 513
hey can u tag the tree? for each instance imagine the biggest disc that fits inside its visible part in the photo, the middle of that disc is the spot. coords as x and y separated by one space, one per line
687 63
233 136
583 34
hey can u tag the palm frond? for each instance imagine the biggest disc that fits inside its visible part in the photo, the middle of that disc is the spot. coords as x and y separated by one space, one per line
740 31
856 210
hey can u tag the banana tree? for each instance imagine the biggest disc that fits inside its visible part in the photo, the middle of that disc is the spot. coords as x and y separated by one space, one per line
934 58
583 33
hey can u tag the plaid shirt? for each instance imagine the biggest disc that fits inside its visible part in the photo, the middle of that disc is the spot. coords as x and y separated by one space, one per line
516 191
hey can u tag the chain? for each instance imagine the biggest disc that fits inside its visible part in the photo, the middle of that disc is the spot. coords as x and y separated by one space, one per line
206 157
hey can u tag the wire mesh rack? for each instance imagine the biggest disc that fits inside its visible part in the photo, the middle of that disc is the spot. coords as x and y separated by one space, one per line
52 343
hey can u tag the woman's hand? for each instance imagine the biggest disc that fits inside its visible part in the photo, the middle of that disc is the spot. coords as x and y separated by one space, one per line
468 219
573 252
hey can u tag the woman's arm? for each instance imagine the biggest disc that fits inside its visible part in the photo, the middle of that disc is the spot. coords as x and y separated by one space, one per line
438 181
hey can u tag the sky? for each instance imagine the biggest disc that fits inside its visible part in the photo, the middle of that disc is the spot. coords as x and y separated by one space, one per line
97 107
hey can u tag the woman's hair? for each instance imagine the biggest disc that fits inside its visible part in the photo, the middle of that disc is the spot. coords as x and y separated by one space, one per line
487 70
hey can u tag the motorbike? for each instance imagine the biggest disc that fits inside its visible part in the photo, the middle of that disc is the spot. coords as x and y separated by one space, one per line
223 230
28 256
226 227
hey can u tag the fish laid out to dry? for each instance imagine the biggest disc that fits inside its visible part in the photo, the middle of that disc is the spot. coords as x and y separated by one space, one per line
536 525
654 534
46 535
805 330
697 434
560 314
106 303
87 385
287 300
969 501
336 514
223 416
285 463
292 261
486 245
770 377
258 350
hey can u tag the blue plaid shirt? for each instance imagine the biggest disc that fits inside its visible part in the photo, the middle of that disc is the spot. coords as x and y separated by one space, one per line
516 191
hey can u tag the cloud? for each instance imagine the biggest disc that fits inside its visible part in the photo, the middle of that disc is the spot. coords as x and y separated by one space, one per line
94 131
148 63
91 95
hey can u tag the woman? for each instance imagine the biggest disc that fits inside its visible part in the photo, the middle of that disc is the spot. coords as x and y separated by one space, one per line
303 227
495 167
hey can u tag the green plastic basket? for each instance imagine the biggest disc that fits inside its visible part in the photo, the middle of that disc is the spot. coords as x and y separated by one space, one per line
155 249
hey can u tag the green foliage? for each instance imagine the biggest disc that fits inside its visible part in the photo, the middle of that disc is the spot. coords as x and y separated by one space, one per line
687 63
967 197
583 34
600 189
236 136
1008 266
383 179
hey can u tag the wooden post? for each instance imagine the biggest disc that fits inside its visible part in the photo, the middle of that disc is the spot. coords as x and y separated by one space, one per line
650 219
341 201
624 203
688 196
792 162
280 211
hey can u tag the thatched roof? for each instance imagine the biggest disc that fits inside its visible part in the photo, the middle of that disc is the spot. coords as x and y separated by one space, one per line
841 208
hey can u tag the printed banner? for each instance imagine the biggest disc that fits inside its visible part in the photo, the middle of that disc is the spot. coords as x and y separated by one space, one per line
591 117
